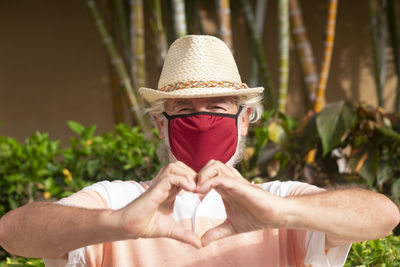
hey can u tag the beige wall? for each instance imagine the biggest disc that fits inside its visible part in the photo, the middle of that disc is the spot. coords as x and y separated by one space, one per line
53 67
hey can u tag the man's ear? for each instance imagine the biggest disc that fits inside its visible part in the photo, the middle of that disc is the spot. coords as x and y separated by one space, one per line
160 126
244 122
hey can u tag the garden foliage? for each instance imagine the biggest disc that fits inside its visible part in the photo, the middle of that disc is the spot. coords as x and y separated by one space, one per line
344 143
40 169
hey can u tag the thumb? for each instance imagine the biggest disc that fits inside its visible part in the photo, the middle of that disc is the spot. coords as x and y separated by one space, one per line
223 230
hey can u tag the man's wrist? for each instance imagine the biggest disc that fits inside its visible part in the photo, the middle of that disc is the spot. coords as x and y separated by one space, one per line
111 225
287 212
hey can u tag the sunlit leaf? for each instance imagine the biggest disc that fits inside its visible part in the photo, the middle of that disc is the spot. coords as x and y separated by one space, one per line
276 133
76 127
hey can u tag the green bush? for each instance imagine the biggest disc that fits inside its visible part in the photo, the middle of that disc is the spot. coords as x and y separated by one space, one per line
41 169
21 262
382 252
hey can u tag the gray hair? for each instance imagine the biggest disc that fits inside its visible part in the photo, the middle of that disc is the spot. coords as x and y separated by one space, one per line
246 101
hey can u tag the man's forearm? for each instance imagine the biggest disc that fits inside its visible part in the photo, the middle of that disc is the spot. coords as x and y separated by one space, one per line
344 215
51 230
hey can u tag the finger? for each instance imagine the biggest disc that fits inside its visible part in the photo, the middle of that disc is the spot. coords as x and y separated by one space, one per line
211 170
207 185
216 233
175 169
180 168
167 189
182 182
186 236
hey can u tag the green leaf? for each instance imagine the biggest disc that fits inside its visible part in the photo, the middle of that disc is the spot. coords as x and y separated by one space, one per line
13 204
365 161
333 123
48 183
385 173
89 131
76 127
15 177
288 123
92 167
276 133
388 132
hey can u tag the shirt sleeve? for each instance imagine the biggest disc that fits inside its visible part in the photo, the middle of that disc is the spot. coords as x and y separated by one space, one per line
316 253
101 195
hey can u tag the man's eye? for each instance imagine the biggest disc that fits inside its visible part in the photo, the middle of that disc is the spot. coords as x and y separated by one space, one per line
217 107
183 110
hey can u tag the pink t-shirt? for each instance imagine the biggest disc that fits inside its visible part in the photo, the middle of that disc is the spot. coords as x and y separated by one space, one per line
267 247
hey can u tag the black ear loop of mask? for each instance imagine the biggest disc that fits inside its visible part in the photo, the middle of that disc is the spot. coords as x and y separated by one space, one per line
235 116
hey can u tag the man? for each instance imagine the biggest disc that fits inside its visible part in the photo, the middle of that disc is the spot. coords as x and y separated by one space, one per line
198 210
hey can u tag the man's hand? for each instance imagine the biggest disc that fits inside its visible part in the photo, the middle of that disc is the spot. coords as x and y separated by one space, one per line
345 216
248 207
151 215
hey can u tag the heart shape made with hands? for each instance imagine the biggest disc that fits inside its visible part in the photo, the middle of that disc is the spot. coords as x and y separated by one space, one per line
241 200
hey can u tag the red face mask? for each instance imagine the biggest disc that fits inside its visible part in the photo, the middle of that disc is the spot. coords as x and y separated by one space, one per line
197 138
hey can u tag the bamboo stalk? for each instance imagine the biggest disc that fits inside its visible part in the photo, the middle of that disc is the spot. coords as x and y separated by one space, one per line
261 9
122 29
269 98
326 62
193 18
395 42
137 45
382 48
376 51
119 66
118 113
284 37
224 15
158 29
178 7
374 39
304 49
198 18
116 90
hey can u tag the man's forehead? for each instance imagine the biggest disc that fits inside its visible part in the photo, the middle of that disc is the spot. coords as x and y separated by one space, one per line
187 101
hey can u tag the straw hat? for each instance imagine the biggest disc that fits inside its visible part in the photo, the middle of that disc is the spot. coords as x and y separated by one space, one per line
198 66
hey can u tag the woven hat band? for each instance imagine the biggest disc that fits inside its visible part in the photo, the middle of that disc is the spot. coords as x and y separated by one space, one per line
202 84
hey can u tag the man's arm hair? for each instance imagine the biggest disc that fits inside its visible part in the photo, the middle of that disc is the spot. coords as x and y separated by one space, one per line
345 215
48 230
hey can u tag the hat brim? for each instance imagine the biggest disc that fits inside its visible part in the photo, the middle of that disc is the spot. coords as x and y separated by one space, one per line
152 95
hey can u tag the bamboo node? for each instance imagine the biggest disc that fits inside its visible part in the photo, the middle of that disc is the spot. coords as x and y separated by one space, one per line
107 40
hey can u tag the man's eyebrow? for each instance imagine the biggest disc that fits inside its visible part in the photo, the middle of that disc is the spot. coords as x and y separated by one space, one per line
180 103
222 100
